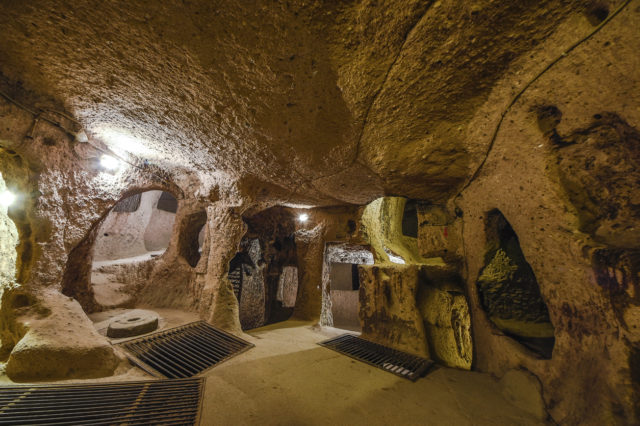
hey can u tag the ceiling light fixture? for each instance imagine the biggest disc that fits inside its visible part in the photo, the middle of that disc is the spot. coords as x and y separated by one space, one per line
122 142
109 163
7 198
81 137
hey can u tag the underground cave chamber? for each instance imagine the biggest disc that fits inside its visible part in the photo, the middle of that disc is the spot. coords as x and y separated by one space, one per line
137 229
320 212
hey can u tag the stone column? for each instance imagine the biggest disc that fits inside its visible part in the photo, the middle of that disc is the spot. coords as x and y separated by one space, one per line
326 316
218 303
310 250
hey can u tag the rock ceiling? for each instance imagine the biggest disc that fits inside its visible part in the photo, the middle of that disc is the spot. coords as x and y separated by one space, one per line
302 101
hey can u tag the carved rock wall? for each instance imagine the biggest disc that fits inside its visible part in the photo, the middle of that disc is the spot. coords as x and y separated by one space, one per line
388 311
560 171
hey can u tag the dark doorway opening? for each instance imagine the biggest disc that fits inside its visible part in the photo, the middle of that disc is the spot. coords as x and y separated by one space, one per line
190 239
410 219
509 291
341 263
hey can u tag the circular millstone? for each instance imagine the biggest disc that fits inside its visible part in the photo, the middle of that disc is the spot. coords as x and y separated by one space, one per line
132 323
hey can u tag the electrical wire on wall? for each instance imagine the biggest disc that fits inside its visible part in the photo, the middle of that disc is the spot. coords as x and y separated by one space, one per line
530 83
39 116
515 99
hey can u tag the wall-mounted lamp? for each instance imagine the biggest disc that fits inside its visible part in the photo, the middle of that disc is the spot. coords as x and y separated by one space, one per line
109 163
81 137
7 198
303 217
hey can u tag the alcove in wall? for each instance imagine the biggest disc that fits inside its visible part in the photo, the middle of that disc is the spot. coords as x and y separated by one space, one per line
509 291
342 284
410 219
192 236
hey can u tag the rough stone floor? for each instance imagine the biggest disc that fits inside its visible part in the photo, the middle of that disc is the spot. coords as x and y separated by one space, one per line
286 379
289 380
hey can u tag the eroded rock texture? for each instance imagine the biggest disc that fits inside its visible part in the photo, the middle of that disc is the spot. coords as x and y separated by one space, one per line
274 230
417 309
253 113
388 310
444 308
508 289
61 344
247 269
537 177
599 168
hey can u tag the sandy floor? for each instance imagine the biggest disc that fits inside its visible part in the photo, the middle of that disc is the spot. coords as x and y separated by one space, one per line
289 380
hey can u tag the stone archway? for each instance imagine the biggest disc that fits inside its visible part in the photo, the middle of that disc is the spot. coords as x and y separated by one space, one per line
340 283
124 223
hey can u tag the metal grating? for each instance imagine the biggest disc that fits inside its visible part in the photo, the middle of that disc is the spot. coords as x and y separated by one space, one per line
394 361
167 402
184 351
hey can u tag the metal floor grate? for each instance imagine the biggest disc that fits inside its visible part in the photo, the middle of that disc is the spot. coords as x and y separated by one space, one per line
167 402
394 361
184 351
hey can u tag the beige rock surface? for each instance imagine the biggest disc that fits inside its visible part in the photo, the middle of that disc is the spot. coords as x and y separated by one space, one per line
294 381
61 345
523 390
447 322
388 311
240 107
338 88
522 181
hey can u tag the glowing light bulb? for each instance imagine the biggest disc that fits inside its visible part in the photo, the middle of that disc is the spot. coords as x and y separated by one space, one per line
109 162
7 198
303 217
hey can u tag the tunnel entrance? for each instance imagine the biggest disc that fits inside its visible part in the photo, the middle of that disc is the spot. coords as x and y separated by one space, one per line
410 219
266 292
191 238
341 296
138 228
282 292
509 291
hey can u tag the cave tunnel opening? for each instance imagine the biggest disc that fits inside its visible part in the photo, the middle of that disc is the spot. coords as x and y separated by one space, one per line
343 286
268 258
266 289
281 277
8 242
410 219
283 292
191 238
138 228
509 291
